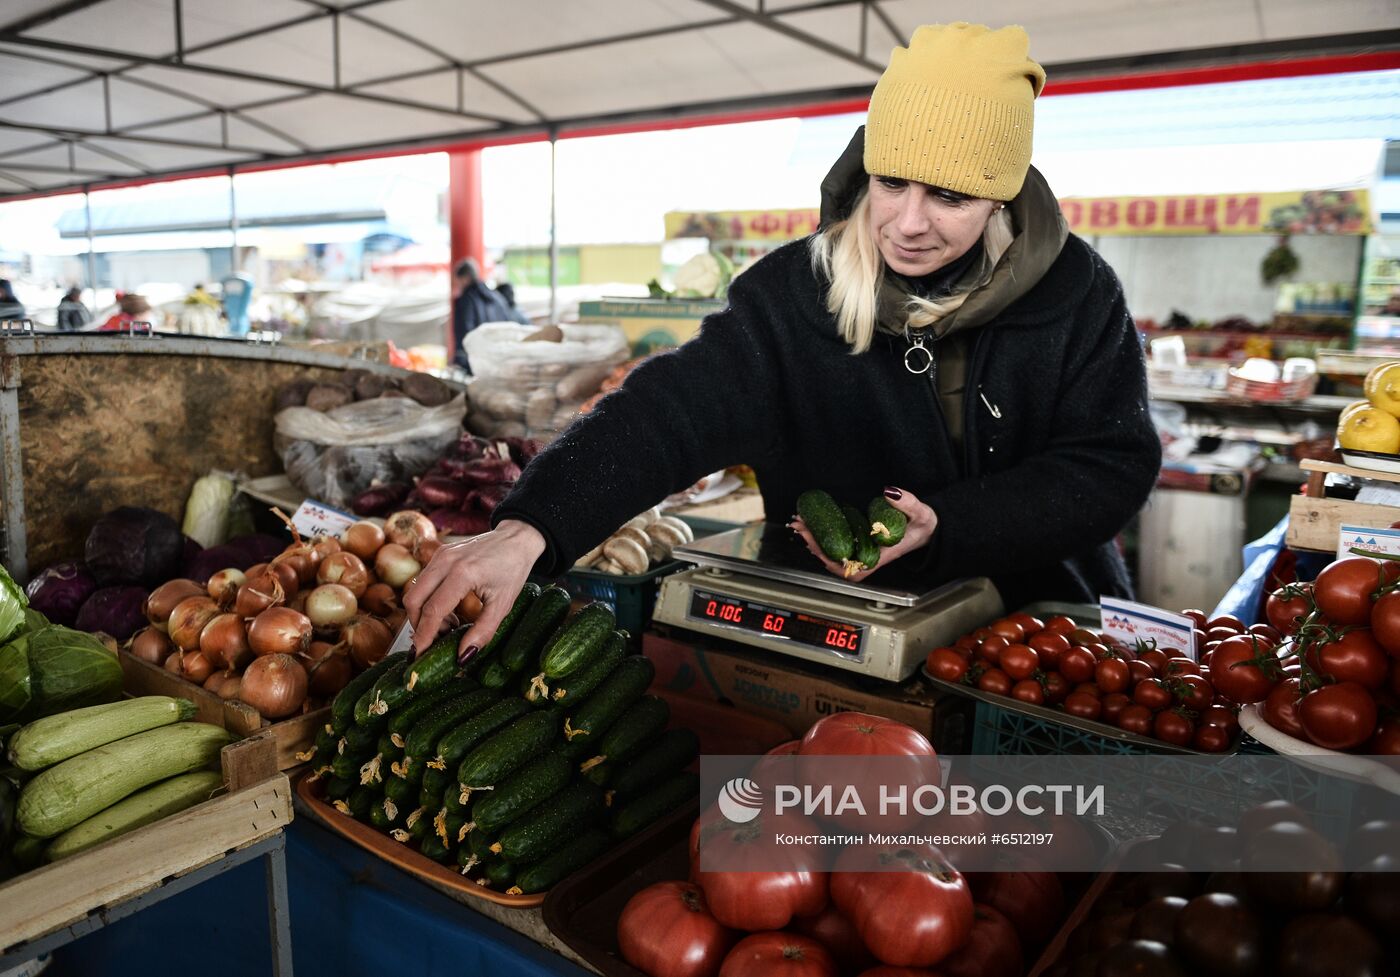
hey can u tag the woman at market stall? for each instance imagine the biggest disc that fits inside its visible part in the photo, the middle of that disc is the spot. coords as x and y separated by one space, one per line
942 336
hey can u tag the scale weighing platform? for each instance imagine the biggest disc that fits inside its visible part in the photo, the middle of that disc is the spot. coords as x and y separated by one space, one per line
758 585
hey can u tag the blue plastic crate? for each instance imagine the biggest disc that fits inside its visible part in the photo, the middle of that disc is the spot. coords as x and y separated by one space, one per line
632 597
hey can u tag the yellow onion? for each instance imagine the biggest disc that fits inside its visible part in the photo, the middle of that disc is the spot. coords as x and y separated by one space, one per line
188 620
152 645
274 685
328 667
395 565
380 599
470 607
224 641
288 573
408 529
425 550
279 631
262 590
223 586
346 569
298 557
164 599
367 639
195 666
363 539
331 605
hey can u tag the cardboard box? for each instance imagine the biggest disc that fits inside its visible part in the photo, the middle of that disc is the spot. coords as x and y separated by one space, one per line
797 694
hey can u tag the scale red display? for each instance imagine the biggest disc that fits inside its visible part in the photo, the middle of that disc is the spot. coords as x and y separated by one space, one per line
779 622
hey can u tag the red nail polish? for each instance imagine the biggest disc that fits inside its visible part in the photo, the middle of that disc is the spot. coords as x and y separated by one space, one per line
893 493
465 656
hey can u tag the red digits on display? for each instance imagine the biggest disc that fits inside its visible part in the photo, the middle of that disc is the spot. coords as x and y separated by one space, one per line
773 622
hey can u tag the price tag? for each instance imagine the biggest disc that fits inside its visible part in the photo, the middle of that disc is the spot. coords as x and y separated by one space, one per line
1385 541
1129 622
316 519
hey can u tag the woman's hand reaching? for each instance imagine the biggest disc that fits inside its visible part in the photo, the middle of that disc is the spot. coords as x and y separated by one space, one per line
922 522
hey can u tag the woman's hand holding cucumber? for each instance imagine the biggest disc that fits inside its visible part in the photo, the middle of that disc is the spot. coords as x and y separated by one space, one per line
841 537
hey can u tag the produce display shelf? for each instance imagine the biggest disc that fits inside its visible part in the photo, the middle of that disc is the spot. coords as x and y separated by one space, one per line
55 904
290 736
1314 521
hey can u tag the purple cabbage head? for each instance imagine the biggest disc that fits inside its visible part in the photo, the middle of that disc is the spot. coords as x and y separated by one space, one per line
134 545
60 591
117 610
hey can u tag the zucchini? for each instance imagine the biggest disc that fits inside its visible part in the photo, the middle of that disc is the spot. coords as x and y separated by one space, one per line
361 800
361 739
671 752
403 721
867 550
339 788
572 810
500 875
432 847
573 689
54 739
532 784
887 524
827 524
142 808
538 625
391 675
520 742
579 642
512 620
343 706
436 666
639 725
421 741
655 804
454 746
572 856
586 726
76 789
28 852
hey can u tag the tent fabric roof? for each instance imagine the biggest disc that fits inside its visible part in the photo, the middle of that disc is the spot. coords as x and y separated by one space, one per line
95 91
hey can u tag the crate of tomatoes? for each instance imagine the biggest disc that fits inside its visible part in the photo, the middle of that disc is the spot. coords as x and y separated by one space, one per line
1049 682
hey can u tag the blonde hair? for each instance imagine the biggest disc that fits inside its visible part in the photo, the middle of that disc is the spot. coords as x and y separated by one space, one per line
846 255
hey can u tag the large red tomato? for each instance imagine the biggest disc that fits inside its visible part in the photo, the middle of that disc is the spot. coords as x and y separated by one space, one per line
1339 717
912 915
1233 675
860 734
1385 622
992 949
1354 657
666 930
757 900
834 930
1280 708
856 734
778 955
1343 590
1386 742
1287 606
1034 902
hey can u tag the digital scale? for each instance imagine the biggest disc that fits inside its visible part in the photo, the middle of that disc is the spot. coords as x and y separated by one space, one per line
758 585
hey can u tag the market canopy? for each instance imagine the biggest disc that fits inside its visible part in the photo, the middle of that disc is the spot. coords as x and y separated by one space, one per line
97 91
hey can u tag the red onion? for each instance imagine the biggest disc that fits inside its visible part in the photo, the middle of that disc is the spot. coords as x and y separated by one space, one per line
380 599
164 598
331 605
454 522
437 490
223 586
275 686
224 641
364 539
408 529
152 645
396 565
346 569
262 590
188 619
279 631
367 639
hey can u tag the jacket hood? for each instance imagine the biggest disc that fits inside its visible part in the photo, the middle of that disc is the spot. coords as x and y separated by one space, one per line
1039 226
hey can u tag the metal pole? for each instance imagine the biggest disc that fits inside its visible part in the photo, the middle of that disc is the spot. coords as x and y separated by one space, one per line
553 229
91 257
232 224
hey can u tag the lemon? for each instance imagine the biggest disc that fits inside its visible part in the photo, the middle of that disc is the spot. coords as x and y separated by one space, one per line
1383 387
1369 429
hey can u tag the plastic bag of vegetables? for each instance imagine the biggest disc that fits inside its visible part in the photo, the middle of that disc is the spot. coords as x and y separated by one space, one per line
54 669
336 455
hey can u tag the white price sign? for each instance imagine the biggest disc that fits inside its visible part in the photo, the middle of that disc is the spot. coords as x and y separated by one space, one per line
1386 541
1131 622
313 518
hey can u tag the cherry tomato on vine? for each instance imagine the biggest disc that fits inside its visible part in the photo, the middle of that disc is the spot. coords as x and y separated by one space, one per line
1028 690
1009 630
994 680
1060 624
1343 589
1056 687
1280 708
1030 624
1172 727
1287 606
1136 719
1385 622
1338 717
1152 695
1113 704
947 664
1083 705
1139 671
1211 739
1194 692
1234 674
1353 657
1155 658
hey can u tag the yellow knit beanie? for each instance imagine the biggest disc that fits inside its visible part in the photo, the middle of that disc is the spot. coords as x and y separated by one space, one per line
955 110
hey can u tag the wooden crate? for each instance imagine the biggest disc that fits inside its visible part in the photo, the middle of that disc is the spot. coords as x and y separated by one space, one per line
291 736
257 805
1314 521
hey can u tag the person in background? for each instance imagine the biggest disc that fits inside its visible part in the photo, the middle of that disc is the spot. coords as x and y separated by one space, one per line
72 314
10 306
131 309
473 303
507 292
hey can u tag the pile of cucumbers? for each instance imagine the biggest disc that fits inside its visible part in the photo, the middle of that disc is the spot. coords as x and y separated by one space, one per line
520 766
848 536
